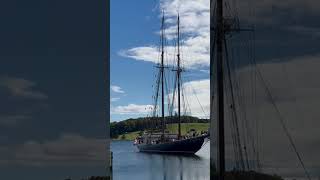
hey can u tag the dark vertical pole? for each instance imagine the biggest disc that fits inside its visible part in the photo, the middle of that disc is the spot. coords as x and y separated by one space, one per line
162 74
107 90
212 134
179 71
219 81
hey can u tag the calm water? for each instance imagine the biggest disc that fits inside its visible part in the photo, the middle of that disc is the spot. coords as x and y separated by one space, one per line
129 164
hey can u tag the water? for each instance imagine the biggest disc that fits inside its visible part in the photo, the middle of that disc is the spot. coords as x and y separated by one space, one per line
129 164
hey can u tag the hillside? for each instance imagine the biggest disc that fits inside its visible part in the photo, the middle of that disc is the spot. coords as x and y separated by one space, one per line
130 126
172 128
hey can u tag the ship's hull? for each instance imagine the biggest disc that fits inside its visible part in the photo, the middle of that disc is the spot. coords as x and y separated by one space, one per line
184 146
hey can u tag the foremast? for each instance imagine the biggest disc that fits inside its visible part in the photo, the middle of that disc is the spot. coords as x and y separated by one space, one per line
162 78
179 70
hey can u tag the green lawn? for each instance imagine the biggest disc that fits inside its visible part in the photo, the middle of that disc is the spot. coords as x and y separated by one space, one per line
173 128
128 136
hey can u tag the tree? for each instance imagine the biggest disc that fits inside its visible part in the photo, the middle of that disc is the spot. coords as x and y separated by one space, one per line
123 137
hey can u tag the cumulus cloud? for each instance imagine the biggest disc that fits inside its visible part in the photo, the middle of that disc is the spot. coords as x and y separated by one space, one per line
194 16
114 99
131 109
196 98
12 120
67 150
21 87
116 89
148 53
195 22
195 43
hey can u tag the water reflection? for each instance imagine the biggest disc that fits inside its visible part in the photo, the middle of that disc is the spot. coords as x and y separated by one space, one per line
132 165
177 167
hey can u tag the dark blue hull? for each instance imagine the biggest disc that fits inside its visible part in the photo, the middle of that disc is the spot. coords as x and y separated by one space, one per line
184 146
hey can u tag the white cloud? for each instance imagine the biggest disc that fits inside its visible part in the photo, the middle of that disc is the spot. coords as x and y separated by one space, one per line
116 89
195 23
196 97
195 43
114 99
204 71
67 150
12 120
21 87
131 109
194 15
148 53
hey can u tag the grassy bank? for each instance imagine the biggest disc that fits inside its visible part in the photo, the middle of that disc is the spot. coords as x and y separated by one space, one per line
172 128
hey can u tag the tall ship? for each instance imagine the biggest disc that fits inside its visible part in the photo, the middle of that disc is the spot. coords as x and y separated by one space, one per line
161 141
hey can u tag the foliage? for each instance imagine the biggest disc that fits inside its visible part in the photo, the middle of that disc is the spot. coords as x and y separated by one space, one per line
147 123
172 128
123 136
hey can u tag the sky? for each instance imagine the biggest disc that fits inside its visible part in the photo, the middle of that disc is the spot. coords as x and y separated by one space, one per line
135 52
286 48
52 108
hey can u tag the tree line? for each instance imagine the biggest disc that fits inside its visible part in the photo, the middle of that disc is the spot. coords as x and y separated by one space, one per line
147 123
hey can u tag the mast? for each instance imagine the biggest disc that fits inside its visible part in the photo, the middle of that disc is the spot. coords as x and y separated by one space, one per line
218 29
162 75
178 78
218 79
220 98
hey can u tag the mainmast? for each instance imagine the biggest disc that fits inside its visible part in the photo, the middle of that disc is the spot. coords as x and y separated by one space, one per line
220 99
162 75
218 79
178 78
220 26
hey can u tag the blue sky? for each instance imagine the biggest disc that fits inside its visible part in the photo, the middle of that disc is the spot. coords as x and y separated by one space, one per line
137 28
133 28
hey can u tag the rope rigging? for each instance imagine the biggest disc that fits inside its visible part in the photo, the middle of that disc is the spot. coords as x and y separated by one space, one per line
239 153
248 135
282 121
